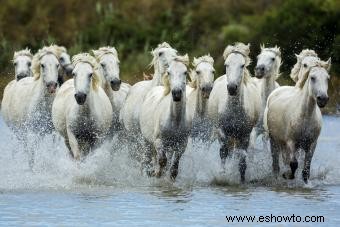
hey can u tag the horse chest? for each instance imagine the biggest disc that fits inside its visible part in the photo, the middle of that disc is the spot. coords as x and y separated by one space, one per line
235 122
85 129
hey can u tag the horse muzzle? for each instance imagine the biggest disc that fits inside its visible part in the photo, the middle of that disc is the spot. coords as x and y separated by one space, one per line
260 71
21 76
206 91
176 95
68 70
115 84
51 87
232 89
80 98
322 100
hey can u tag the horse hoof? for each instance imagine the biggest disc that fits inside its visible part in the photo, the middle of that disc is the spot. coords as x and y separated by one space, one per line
288 176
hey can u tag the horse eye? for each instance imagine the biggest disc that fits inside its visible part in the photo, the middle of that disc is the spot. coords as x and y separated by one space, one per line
29 64
90 75
61 59
160 54
42 66
312 78
186 73
213 71
305 65
273 59
73 74
242 66
15 64
102 64
198 72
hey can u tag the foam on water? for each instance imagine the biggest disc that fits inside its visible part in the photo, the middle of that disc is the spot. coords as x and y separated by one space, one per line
107 167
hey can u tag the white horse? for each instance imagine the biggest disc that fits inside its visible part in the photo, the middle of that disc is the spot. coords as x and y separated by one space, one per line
129 115
81 111
27 103
22 62
164 120
292 116
267 71
117 91
66 67
202 80
234 104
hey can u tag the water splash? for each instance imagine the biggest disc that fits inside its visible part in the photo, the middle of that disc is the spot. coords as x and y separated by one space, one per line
111 165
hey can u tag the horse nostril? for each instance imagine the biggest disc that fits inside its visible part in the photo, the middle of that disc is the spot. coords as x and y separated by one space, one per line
322 100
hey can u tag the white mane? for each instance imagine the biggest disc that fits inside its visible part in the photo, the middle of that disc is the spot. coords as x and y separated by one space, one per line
240 48
155 51
24 52
183 59
87 58
195 63
296 69
53 49
105 50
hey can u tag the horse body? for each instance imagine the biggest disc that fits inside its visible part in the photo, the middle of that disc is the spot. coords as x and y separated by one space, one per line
82 112
202 79
130 112
234 105
117 91
164 120
299 122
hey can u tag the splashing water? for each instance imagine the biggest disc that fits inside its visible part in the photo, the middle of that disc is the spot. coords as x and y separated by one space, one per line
108 167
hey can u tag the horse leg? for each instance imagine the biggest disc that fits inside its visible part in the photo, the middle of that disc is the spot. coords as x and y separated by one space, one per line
293 163
161 158
147 159
274 147
309 152
242 165
174 167
73 145
224 149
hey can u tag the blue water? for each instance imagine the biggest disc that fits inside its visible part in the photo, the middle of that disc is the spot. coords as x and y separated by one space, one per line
108 188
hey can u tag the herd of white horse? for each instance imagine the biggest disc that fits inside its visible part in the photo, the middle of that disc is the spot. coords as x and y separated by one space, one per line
166 111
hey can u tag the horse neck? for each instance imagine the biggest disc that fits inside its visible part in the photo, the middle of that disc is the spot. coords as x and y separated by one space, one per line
307 102
200 103
178 110
267 86
157 77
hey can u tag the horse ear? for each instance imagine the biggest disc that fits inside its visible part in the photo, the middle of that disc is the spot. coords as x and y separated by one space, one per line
261 46
328 64
298 57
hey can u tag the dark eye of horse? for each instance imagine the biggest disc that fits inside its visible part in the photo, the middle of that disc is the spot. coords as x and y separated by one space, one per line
42 66
305 65
102 64
186 73
15 64
73 74
213 72
313 79
198 72
90 75
61 59
29 64
242 66
273 59
160 54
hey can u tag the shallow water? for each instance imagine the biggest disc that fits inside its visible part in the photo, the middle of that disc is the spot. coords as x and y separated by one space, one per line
108 189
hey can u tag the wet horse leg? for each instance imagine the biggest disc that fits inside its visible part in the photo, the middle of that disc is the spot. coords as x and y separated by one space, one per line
309 151
274 147
293 163
242 165
177 156
161 158
147 158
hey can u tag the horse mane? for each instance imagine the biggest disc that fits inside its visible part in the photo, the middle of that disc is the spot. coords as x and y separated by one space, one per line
296 69
155 52
98 54
24 52
239 48
87 58
166 82
38 56
206 58
276 50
